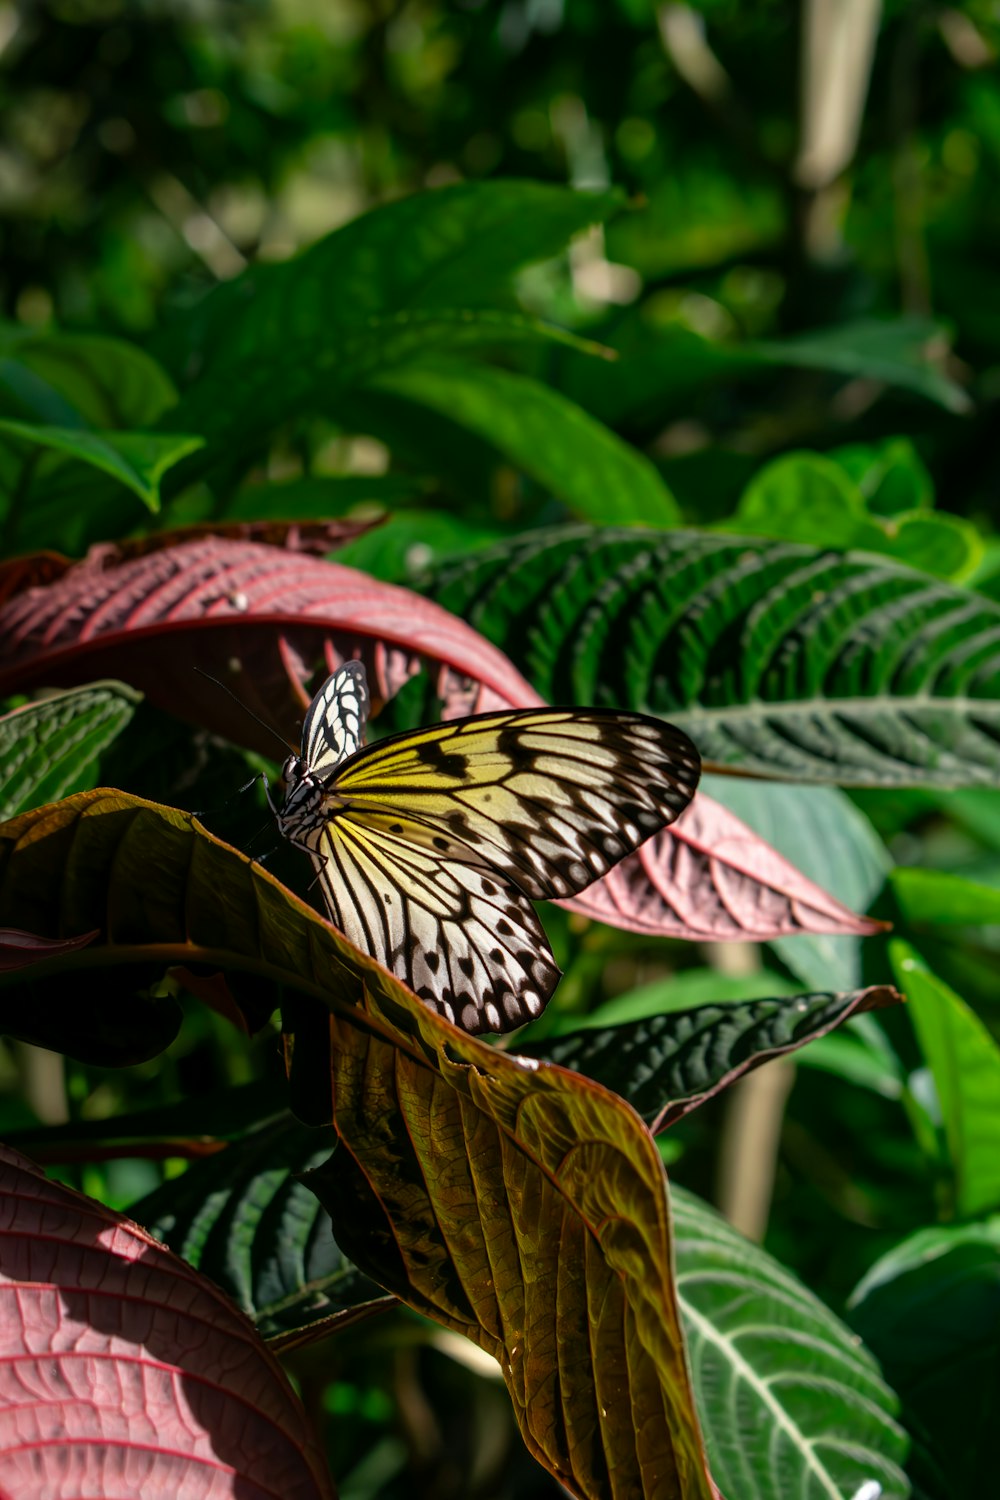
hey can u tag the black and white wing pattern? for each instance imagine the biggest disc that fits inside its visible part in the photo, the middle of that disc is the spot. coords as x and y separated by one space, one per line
334 727
430 846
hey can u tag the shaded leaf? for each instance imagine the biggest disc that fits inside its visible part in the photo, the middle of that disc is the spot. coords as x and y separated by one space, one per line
929 1310
581 461
19 949
794 1406
903 352
136 459
140 1373
53 746
776 659
964 1060
666 1065
243 1218
80 380
160 892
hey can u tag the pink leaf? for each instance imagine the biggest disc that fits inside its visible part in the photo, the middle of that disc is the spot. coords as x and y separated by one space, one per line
19 949
710 876
265 619
125 1372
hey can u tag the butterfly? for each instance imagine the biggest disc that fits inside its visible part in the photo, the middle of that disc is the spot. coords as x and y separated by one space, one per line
430 846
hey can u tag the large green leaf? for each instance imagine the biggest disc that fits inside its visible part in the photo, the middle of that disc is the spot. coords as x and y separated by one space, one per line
244 1218
964 1060
52 747
778 659
794 1407
929 1310
520 1205
136 459
419 276
551 438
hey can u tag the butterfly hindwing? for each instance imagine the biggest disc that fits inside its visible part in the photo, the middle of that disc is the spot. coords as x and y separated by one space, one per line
465 940
428 845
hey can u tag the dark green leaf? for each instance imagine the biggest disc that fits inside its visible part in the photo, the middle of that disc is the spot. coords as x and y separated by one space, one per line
666 1065
243 1218
929 1310
549 437
777 659
52 747
136 459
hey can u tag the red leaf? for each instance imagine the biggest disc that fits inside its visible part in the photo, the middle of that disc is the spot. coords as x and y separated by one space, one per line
710 876
19 949
266 620
125 1372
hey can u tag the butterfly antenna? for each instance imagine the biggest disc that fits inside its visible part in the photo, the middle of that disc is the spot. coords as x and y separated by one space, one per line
247 710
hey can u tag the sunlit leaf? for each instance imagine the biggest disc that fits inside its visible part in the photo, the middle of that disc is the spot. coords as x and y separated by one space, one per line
141 1375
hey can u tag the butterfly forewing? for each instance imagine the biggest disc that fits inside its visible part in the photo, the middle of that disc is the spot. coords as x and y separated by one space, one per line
428 845
552 798
335 723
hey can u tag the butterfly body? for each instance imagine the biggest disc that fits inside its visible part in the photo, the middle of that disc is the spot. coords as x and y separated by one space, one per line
430 846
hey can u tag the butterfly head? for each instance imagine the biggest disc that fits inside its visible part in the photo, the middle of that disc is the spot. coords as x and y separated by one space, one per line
301 813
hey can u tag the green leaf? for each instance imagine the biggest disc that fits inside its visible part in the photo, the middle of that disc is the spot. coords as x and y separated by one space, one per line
929 1310
822 833
85 380
937 899
793 1405
965 1063
779 660
455 247
891 475
136 459
243 1217
666 1065
416 277
52 747
806 497
543 433
904 353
